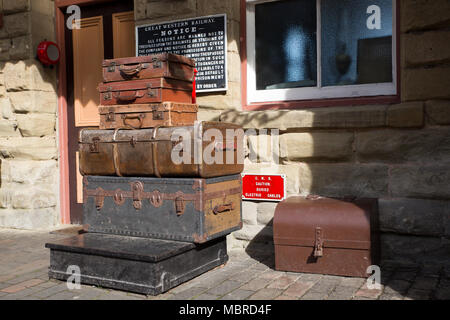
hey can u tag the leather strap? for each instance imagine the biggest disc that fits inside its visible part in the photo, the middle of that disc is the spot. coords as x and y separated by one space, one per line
154 152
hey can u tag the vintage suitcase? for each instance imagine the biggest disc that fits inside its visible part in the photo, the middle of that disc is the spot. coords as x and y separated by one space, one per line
145 266
165 65
138 116
326 236
191 210
154 152
155 90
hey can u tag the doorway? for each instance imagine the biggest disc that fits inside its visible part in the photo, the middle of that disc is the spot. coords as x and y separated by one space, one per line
106 32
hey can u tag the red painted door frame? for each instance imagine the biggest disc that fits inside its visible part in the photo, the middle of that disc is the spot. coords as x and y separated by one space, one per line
63 139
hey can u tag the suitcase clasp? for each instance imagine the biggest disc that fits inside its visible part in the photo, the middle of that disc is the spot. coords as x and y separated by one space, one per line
93 147
179 204
112 67
157 64
157 115
137 189
318 245
111 116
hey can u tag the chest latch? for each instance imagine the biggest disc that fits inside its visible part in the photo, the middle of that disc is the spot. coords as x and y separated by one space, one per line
318 243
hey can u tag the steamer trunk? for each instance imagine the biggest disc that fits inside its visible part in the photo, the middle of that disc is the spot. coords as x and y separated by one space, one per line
145 91
164 65
139 116
146 266
209 149
326 236
190 210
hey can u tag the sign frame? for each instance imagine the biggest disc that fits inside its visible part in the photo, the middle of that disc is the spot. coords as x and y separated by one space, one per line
224 15
266 174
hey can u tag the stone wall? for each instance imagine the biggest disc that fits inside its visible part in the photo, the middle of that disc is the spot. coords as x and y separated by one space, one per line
28 107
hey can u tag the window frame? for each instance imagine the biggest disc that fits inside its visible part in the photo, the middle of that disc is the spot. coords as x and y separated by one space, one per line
316 97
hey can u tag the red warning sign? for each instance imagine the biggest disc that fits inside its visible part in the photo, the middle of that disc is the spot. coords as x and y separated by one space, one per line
264 187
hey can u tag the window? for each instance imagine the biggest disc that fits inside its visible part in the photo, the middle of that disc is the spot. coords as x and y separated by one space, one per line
320 49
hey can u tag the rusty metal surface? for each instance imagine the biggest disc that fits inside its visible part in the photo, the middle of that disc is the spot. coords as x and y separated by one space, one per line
156 90
139 116
172 209
148 152
323 235
147 67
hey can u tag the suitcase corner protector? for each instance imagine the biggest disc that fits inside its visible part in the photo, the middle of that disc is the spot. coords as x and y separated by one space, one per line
200 238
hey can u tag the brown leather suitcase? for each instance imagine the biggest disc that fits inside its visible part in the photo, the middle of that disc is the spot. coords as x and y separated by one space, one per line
182 209
165 65
155 90
149 152
139 116
326 236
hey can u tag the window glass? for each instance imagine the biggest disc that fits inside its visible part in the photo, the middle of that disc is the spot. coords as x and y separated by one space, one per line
285 44
356 42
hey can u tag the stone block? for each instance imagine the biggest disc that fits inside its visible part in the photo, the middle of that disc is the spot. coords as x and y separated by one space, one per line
234 66
5 198
438 111
234 43
426 83
44 7
32 172
21 48
397 146
213 7
316 145
262 147
8 128
344 180
13 6
413 216
29 148
421 49
428 181
249 212
34 101
413 249
36 125
406 115
330 117
424 14
230 99
266 212
29 75
292 172
255 233
6 110
33 197
29 219
158 9
208 115
140 7
17 24
5 47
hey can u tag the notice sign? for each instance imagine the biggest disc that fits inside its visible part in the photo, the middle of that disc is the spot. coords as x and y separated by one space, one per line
264 187
203 39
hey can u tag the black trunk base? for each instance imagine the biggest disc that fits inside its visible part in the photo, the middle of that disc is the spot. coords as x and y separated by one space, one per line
145 266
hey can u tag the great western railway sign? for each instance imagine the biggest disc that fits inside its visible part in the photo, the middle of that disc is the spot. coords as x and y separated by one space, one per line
203 39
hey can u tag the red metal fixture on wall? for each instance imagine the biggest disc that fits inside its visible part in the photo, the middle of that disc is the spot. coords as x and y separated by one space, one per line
48 53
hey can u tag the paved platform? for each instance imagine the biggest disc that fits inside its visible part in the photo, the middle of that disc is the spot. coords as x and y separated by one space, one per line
24 263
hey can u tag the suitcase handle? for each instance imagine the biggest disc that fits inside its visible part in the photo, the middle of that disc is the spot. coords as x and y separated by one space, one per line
223 208
131 71
139 117
124 98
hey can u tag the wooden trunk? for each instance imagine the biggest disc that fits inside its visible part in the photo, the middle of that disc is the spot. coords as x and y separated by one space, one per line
164 65
210 149
326 236
138 116
191 210
145 91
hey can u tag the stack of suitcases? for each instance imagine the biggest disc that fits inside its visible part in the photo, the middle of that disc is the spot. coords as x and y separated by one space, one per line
152 222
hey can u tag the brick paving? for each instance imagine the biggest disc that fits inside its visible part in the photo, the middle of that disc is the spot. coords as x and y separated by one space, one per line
247 276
